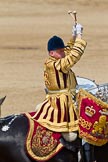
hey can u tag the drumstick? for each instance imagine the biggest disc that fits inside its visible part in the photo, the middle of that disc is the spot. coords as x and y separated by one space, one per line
73 15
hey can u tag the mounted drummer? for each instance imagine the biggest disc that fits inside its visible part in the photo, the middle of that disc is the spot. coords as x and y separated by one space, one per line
58 112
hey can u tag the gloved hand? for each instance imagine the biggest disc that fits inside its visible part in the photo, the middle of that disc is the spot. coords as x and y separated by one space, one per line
74 31
79 29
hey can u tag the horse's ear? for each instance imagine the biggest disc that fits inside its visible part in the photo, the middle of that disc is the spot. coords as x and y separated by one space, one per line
46 90
2 100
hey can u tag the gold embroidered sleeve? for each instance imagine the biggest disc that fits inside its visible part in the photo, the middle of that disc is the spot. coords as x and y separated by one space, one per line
73 57
79 47
70 45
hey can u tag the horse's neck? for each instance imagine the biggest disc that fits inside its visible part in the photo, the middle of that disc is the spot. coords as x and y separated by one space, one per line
7 121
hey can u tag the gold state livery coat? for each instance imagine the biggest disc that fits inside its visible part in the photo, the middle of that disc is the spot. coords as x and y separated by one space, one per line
58 112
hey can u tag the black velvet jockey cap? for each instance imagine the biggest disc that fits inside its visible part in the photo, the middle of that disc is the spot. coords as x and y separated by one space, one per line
55 43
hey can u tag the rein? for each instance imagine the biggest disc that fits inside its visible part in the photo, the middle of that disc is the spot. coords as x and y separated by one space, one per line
6 127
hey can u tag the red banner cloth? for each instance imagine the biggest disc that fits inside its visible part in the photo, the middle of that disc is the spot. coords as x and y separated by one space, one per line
93 119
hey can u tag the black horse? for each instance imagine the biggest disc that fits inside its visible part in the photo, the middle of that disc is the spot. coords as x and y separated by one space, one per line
13 132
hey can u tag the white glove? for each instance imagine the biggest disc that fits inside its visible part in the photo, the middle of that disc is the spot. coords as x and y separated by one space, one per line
74 30
79 29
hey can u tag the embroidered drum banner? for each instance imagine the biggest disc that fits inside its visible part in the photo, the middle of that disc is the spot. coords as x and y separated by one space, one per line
93 118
